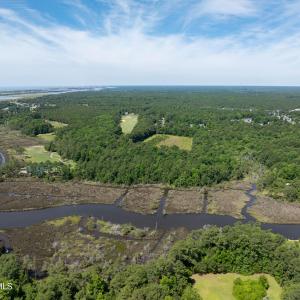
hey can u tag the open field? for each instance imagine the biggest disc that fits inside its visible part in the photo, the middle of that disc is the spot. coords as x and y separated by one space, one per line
184 201
57 125
128 122
226 202
26 195
30 149
48 137
38 154
182 142
220 286
143 200
268 210
73 241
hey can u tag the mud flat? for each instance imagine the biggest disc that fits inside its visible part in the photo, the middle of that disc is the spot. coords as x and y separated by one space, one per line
144 200
184 201
227 202
26 195
268 210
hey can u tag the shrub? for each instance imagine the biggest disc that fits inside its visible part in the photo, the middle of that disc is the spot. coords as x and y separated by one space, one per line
250 289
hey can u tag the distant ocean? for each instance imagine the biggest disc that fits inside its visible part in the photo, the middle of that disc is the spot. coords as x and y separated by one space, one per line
22 92
9 93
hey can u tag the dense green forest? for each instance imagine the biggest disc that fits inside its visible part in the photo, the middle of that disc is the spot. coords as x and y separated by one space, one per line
30 124
244 249
234 132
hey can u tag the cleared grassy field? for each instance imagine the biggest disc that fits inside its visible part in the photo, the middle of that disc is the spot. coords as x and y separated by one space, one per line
128 122
38 154
48 137
182 142
220 286
57 125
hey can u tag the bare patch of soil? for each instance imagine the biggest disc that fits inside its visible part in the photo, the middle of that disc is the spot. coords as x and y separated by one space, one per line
268 210
184 201
144 200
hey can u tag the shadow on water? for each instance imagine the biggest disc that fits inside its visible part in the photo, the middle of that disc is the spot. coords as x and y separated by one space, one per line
115 214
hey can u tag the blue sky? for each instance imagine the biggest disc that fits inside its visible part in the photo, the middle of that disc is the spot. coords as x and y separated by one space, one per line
149 42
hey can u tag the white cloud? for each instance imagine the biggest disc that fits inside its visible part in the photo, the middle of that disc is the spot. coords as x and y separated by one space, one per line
228 7
55 55
291 8
128 14
221 8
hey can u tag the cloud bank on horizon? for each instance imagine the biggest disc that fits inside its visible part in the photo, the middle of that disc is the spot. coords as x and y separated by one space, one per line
149 42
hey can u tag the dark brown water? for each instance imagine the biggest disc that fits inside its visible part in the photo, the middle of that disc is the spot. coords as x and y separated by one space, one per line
115 214
2 159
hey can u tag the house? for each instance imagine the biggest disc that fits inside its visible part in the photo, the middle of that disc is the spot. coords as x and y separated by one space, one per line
248 120
23 171
287 119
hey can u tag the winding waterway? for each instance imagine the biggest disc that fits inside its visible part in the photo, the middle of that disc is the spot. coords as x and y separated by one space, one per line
2 159
115 214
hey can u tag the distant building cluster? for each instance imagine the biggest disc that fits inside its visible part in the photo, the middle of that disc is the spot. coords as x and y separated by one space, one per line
31 106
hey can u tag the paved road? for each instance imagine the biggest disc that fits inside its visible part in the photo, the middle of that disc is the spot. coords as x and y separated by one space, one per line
2 159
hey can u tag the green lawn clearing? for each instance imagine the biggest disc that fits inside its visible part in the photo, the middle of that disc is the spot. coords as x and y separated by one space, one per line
128 122
48 137
182 142
220 286
57 124
38 154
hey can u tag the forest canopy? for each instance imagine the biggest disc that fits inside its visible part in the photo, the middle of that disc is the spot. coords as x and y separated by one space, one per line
234 133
